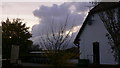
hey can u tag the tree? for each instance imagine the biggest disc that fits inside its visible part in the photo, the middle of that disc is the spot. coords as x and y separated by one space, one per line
14 33
56 42
35 48
111 20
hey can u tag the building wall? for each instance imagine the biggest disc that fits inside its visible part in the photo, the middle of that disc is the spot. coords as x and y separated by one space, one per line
92 33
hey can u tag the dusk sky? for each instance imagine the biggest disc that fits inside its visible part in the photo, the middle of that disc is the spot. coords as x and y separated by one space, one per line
24 10
76 12
38 15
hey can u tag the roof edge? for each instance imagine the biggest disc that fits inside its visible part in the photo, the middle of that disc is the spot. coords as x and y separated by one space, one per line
96 9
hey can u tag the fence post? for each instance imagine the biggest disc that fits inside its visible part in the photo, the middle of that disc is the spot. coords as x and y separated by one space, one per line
14 54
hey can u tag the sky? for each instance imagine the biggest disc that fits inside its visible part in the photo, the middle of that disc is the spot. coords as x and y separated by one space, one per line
39 16
56 15
23 10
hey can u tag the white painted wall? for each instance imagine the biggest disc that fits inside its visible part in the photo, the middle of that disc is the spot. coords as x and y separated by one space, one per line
93 33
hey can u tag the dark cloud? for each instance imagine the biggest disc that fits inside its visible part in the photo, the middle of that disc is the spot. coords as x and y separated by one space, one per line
56 15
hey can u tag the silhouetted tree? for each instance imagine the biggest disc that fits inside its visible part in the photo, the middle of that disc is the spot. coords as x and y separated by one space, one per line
35 47
14 33
56 42
111 20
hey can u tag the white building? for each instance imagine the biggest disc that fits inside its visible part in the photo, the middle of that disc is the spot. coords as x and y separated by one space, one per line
93 30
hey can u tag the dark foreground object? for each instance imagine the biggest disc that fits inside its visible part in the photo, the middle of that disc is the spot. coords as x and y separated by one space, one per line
89 66
34 65
103 66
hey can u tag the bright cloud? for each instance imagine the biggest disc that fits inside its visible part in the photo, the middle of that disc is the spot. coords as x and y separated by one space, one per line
56 15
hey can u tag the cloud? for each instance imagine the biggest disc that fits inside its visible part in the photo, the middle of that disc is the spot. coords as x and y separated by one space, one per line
56 15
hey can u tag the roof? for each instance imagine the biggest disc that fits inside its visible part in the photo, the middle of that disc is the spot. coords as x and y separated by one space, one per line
99 8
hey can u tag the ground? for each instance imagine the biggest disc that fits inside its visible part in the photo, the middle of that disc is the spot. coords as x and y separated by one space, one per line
34 65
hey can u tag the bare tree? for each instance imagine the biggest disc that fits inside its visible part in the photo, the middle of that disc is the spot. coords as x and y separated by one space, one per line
111 20
55 44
